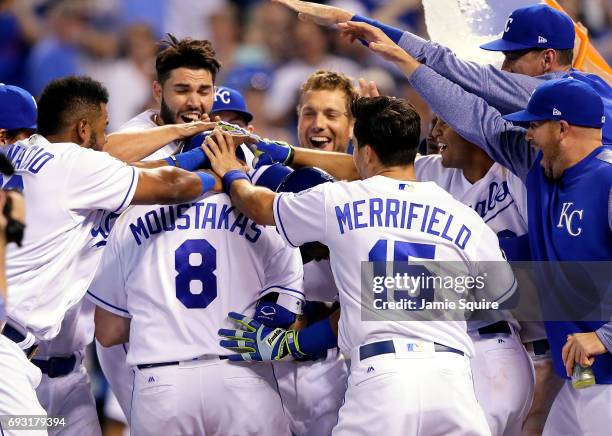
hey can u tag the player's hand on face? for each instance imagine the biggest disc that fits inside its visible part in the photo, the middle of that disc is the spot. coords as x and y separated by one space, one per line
220 149
317 13
581 348
368 89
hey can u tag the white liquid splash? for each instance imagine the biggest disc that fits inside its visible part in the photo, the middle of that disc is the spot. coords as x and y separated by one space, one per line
463 25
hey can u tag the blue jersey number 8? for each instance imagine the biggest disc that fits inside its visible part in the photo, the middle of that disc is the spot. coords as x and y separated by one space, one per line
200 272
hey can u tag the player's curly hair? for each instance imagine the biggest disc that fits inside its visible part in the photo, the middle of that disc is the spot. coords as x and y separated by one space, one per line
66 100
185 53
329 81
391 126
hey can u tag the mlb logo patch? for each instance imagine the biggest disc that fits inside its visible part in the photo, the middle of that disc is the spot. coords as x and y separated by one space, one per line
414 348
556 112
406 187
542 40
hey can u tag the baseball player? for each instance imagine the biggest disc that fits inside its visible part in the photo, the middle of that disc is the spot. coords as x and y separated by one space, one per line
396 367
181 385
229 106
499 197
566 118
184 88
74 187
312 391
501 367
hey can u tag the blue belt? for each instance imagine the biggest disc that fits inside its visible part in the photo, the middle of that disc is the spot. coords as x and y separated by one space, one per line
540 347
386 347
500 327
14 335
158 364
56 366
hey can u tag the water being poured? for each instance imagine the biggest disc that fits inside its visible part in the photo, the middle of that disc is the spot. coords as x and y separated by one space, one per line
463 25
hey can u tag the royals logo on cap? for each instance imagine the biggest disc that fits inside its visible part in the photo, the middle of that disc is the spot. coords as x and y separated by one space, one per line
538 26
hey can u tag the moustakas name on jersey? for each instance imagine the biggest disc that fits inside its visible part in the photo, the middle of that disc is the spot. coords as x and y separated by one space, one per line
69 191
177 271
381 219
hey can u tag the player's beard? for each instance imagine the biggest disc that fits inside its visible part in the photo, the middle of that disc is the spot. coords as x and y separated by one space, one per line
166 114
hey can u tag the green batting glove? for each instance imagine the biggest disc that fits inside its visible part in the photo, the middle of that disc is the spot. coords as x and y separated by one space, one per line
255 341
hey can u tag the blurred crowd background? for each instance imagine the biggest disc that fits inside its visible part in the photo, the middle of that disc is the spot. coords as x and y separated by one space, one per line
265 51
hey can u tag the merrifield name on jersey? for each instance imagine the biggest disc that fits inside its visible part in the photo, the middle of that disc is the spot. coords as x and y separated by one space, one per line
390 212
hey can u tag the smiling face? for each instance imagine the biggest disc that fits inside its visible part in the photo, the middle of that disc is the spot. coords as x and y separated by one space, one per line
323 120
456 152
187 95
546 136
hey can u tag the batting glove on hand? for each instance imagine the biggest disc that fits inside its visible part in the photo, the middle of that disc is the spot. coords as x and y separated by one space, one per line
255 341
277 151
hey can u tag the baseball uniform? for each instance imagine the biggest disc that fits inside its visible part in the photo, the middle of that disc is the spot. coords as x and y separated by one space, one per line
176 271
560 229
68 192
501 368
313 391
400 381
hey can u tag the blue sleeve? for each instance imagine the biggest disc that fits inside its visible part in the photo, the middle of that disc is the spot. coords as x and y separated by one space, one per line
507 92
475 120
605 335
392 32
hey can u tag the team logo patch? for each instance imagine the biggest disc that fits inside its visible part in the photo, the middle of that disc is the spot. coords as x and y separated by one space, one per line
370 369
151 379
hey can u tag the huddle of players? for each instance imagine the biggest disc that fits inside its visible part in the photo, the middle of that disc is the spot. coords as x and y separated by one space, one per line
168 278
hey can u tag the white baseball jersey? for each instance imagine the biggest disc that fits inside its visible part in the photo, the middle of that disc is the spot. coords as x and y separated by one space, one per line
381 219
69 191
177 271
144 121
500 197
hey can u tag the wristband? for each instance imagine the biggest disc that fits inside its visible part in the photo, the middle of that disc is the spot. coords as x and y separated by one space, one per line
393 33
230 177
190 160
290 157
208 181
313 340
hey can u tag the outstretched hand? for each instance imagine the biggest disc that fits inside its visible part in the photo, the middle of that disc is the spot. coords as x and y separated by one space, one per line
317 13
220 148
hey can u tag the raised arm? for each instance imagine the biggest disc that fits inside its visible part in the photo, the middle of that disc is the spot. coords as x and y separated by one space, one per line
470 116
507 92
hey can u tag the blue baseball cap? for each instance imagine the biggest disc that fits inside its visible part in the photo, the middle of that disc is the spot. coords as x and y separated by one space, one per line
228 99
568 100
605 92
532 27
17 108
